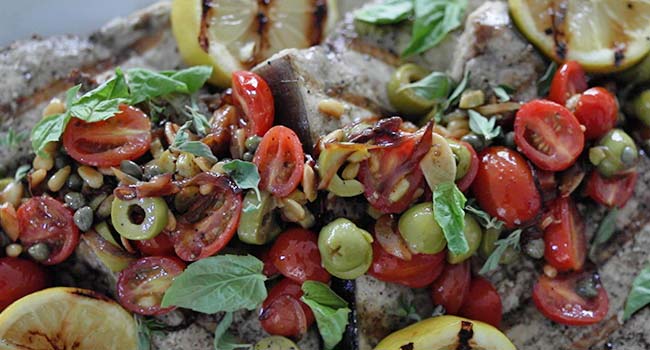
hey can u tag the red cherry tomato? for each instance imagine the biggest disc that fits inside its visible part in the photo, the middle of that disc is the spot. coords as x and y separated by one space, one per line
253 95
269 269
46 220
466 181
19 277
614 192
482 303
418 272
597 111
295 254
280 160
505 187
157 246
452 287
547 182
142 285
569 80
557 300
126 136
548 134
211 221
283 313
566 246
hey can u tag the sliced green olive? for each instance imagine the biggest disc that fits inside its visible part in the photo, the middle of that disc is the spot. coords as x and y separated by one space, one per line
405 100
462 156
421 231
473 234
112 256
275 343
615 153
258 224
345 249
140 218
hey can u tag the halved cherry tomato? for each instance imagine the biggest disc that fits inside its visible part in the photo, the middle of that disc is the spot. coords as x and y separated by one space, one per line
465 182
452 287
269 268
295 254
280 160
418 272
253 95
126 136
505 187
157 246
46 220
558 300
142 285
211 221
597 111
569 80
482 303
566 245
283 313
547 183
19 277
613 192
548 134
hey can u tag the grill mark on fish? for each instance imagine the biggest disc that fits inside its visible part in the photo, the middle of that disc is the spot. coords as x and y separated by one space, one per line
558 23
206 9
319 17
465 334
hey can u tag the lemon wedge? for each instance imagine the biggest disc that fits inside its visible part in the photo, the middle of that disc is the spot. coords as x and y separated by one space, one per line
233 35
447 332
65 319
603 36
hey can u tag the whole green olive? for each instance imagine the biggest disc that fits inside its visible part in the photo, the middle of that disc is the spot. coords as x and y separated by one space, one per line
473 234
345 249
463 158
258 224
151 215
406 101
615 153
641 107
275 342
420 230
476 141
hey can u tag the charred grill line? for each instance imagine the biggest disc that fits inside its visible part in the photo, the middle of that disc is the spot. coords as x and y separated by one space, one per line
206 7
465 335
558 22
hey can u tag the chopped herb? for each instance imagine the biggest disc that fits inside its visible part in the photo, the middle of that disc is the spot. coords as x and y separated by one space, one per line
486 220
147 327
448 211
544 83
200 122
434 87
330 310
639 295
407 310
605 232
483 126
224 340
458 91
492 263
183 144
101 103
12 138
503 92
245 175
21 172
434 19
386 12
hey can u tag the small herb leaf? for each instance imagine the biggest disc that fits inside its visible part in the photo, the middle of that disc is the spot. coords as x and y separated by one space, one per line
21 172
224 340
48 129
183 144
245 175
492 262
12 138
448 204
458 91
503 92
483 126
486 220
639 295
330 310
604 233
387 12
103 102
434 19
544 83
434 87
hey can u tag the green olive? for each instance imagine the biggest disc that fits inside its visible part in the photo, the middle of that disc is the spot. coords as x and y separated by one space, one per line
258 224
641 107
275 343
406 101
615 153
490 236
475 140
5 182
345 249
421 231
151 215
473 234
463 158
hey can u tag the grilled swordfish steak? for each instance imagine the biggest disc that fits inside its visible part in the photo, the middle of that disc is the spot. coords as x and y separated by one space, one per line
353 67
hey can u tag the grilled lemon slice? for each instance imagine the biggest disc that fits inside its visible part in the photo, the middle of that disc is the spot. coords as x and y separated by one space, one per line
603 36
66 319
232 35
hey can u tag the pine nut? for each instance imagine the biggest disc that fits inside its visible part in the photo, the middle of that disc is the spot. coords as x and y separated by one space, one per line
185 166
309 183
54 107
36 177
123 177
9 221
13 193
206 189
203 163
350 171
106 171
57 181
308 221
46 163
218 168
171 221
170 132
399 191
550 271
358 156
332 108
156 148
92 177
13 250
292 210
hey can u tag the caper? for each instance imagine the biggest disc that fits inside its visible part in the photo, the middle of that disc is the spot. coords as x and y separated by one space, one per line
421 231
96 201
104 209
463 158
629 156
275 343
345 249
586 287
258 224
406 101
476 141
535 248
39 251
509 139
473 234
140 218
131 168
641 107
74 200
83 218
247 156
151 171
615 153
252 143
74 182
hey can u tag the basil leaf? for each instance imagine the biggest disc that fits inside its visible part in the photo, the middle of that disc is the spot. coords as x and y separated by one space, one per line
219 283
492 262
330 310
503 92
21 172
544 83
103 102
434 87
183 144
458 91
245 175
201 123
224 340
144 335
48 129
193 78
434 19
448 204
484 218
483 126
387 12
146 85
604 233
639 295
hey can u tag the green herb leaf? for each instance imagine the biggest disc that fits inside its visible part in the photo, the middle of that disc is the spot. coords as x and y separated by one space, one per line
639 295
183 144
200 122
408 310
219 283
544 83
387 12
485 219
224 340
492 262
434 87
483 126
503 92
48 129
434 19
12 138
605 232
102 102
458 91
146 85
147 327
245 175
330 310
194 77
21 172
448 204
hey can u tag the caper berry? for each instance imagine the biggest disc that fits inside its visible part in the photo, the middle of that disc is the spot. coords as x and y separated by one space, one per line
406 101
420 230
140 218
535 248
615 153
586 287
275 342
252 143
74 200
463 158
258 225
473 234
151 171
247 156
74 182
475 140
83 218
131 168
345 249
39 251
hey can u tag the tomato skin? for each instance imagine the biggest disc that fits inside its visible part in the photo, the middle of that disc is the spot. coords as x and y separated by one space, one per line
482 303
18 278
418 272
597 111
548 134
569 80
158 246
96 143
46 220
505 187
452 287
148 277
558 301
614 192
566 245
465 182
280 161
279 314
295 254
252 94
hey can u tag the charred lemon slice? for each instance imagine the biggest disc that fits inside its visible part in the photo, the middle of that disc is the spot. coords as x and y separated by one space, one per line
232 35
603 36
66 319
446 333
